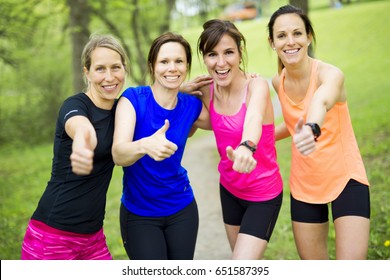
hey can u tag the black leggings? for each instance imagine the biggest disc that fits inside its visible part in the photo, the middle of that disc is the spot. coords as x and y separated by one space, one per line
160 238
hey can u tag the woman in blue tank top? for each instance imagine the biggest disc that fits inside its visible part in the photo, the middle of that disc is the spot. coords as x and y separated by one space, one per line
159 216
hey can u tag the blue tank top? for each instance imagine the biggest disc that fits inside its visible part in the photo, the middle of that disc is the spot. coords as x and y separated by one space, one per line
159 188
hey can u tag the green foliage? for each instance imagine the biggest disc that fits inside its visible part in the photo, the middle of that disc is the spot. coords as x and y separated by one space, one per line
32 90
351 38
24 22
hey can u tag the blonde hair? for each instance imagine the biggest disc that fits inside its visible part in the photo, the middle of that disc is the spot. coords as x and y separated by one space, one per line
102 41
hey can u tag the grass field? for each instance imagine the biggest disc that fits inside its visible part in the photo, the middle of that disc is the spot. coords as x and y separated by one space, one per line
355 38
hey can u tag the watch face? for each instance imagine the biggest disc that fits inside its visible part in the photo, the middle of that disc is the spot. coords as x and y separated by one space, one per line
316 129
251 144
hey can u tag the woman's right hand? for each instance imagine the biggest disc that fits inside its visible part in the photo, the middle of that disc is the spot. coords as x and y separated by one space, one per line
82 152
158 146
242 157
303 138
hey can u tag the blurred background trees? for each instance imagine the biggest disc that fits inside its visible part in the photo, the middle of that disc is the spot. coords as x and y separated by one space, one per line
41 43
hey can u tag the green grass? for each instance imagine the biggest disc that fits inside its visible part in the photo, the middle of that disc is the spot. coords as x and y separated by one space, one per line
354 38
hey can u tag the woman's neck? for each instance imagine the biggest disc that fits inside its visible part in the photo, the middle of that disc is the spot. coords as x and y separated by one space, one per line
105 104
165 97
299 71
235 87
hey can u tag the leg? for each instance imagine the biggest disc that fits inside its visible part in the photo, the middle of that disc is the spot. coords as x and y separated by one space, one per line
232 212
181 233
311 240
232 234
351 214
42 242
96 248
256 228
142 237
249 247
352 237
310 227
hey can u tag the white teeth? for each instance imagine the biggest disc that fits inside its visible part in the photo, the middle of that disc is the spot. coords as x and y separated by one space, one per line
291 51
110 87
171 78
222 71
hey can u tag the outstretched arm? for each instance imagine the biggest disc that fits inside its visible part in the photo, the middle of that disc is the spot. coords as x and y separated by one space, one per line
125 151
330 91
258 101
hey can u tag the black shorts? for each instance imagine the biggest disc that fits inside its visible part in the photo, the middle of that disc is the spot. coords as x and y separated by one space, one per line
254 218
354 200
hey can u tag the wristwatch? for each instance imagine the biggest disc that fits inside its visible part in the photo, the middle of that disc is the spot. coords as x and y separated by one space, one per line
316 130
250 145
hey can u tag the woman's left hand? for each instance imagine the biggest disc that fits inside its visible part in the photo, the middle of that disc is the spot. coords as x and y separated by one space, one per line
193 86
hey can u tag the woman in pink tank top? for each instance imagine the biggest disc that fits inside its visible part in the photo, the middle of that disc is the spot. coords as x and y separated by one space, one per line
326 165
242 119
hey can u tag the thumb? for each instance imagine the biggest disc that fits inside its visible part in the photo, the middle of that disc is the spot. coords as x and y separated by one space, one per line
299 125
164 128
90 140
87 140
230 153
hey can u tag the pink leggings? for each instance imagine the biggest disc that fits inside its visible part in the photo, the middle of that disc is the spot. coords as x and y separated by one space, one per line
42 242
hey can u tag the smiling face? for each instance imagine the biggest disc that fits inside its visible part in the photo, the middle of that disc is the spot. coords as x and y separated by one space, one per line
290 39
170 67
106 76
223 61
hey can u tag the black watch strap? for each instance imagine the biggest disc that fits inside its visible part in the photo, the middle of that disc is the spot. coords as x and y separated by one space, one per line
250 145
316 130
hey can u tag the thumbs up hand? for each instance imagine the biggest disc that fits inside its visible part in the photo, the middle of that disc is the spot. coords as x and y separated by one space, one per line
84 144
243 160
304 138
158 146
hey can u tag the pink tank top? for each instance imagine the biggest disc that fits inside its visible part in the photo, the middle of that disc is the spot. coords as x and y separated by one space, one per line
264 182
321 176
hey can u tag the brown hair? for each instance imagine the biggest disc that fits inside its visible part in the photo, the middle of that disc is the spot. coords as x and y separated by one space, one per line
289 9
213 31
163 39
102 41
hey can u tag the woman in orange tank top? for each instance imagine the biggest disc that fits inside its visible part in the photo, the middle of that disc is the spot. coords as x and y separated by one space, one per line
326 165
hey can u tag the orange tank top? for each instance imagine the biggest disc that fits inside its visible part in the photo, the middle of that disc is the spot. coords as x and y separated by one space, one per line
321 176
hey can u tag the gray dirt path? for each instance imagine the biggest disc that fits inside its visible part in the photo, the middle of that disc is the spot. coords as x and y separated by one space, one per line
201 160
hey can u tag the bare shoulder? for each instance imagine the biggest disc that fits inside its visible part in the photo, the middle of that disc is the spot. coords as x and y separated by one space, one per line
258 87
257 81
275 82
329 72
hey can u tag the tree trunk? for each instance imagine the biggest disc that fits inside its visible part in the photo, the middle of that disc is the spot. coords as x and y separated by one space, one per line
303 4
79 17
141 32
